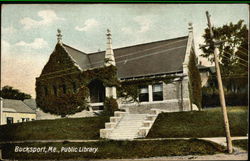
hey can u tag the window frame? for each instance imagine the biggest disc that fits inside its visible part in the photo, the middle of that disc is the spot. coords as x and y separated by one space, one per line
143 97
159 93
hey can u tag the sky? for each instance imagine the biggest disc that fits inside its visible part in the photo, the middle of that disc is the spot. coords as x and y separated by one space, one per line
28 31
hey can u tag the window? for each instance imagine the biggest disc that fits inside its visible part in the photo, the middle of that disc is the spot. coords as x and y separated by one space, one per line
143 95
55 90
9 120
157 92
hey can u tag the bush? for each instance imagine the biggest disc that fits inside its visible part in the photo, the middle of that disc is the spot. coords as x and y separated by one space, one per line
211 98
110 106
66 104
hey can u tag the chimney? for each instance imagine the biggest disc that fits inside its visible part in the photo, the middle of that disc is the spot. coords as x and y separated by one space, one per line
109 54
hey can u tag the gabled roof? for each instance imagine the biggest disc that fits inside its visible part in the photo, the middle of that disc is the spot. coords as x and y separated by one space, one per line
31 103
165 56
80 57
10 105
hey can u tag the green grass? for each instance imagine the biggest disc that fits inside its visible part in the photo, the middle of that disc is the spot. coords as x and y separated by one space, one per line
241 143
118 149
66 128
207 123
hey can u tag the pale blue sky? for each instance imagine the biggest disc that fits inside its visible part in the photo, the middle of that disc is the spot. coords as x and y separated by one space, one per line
29 30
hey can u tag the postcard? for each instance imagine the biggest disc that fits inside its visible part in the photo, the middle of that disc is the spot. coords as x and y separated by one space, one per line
150 81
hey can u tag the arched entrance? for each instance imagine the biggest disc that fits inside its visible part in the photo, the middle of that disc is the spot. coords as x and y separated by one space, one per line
97 94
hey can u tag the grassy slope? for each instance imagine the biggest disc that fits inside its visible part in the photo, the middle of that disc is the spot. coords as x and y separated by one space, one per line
119 149
241 143
67 128
207 123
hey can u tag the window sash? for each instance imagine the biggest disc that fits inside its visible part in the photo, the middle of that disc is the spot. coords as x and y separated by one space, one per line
157 92
143 97
143 90
157 88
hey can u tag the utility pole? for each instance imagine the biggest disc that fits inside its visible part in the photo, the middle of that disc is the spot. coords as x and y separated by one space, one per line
214 45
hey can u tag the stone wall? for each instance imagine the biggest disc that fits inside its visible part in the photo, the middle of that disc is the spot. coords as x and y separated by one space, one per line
175 98
176 90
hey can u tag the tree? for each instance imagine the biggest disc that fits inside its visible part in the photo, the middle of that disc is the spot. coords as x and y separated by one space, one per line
194 81
234 50
9 92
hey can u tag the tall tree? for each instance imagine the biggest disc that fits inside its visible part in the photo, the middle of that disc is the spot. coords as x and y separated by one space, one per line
194 81
9 92
234 49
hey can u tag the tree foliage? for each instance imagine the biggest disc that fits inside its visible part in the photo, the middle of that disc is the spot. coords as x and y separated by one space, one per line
234 49
65 104
9 92
70 102
194 81
110 106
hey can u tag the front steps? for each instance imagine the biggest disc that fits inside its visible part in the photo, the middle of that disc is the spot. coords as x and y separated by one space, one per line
126 126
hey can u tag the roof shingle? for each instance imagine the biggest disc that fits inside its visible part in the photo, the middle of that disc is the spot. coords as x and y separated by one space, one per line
164 56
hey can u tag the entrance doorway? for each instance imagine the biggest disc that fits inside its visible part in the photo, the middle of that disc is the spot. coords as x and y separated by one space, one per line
96 92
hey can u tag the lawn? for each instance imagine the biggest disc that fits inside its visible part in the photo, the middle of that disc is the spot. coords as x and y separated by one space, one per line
241 143
116 149
66 128
206 123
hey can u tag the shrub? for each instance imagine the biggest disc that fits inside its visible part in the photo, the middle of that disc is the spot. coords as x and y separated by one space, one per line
110 106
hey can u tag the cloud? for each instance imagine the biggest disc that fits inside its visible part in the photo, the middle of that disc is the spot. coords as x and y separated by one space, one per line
38 43
47 17
144 25
88 25
127 30
16 67
8 30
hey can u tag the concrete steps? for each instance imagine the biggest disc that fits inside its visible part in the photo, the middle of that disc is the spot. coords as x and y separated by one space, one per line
110 126
128 127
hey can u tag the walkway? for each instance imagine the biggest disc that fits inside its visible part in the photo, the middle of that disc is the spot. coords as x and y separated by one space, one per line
218 140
